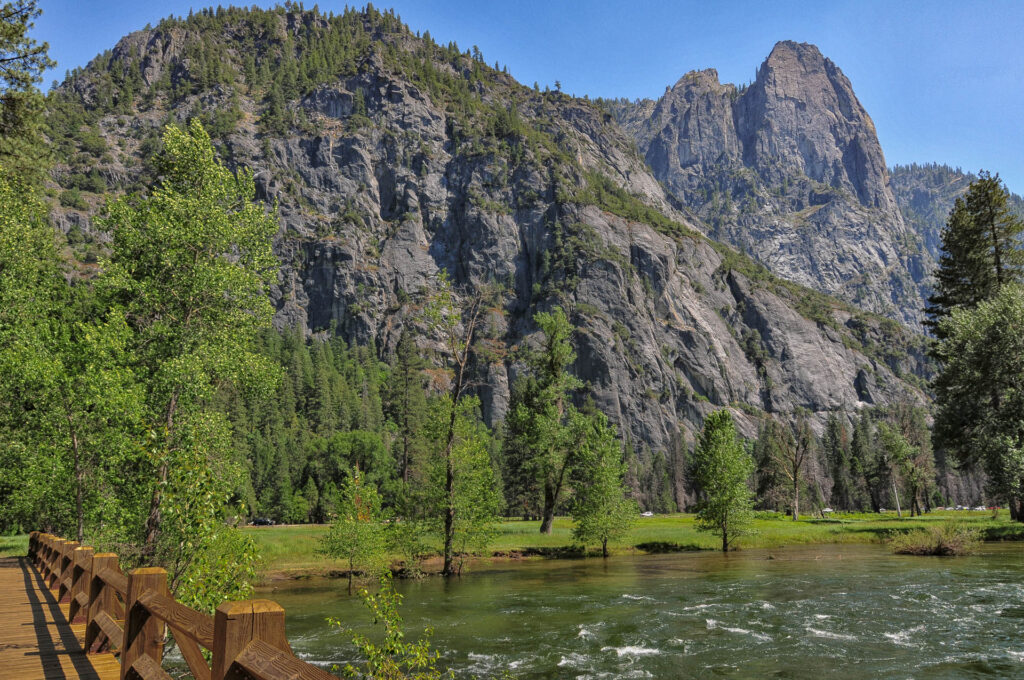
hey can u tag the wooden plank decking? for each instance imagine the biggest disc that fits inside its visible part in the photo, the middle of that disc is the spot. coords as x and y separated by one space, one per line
36 640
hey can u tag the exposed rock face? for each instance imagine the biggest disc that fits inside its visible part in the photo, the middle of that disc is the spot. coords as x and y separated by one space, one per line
789 170
386 183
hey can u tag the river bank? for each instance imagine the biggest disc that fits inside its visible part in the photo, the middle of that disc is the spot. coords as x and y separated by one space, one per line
289 552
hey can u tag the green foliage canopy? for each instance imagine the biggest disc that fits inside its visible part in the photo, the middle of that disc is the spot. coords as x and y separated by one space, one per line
721 467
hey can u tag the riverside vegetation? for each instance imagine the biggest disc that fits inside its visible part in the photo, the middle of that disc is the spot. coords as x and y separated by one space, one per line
161 383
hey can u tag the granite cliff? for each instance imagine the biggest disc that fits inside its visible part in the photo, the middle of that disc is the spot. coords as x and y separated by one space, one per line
789 170
393 158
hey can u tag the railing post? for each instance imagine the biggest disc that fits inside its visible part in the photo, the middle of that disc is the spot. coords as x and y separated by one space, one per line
45 554
236 624
67 567
41 552
56 560
81 571
102 597
143 633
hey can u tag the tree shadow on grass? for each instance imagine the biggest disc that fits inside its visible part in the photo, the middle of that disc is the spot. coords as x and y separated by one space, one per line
659 547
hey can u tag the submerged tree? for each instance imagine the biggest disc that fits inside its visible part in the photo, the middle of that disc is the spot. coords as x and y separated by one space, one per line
358 534
721 467
460 465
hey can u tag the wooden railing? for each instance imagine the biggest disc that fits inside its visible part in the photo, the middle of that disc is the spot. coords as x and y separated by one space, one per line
127 614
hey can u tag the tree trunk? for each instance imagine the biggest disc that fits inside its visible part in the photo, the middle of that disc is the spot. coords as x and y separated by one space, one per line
896 493
796 499
1016 513
79 483
449 516
604 548
405 457
153 521
548 516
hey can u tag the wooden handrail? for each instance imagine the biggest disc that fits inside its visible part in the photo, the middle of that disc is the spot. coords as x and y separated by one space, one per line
194 624
113 578
130 612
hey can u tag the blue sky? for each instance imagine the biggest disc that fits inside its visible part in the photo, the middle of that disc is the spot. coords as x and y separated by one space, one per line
943 81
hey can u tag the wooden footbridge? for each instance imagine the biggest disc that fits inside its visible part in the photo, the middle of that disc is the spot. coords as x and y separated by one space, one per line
68 613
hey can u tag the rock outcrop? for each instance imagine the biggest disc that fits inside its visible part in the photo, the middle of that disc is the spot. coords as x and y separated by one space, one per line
789 169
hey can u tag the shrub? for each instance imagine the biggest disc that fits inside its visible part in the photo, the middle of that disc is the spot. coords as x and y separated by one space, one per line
949 538
71 198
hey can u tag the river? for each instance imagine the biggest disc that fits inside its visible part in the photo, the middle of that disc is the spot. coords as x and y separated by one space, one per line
807 612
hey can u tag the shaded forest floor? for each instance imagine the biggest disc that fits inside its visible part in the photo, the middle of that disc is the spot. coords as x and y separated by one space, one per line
289 551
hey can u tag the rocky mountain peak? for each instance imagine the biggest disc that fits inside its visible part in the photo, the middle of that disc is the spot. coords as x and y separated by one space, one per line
801 115
790 170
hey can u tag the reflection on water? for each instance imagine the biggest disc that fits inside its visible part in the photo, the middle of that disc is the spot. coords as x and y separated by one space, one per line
845 611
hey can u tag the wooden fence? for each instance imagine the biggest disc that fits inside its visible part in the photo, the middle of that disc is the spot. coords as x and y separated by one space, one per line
128 614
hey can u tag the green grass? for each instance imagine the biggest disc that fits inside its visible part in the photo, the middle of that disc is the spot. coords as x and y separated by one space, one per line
14 546
290 549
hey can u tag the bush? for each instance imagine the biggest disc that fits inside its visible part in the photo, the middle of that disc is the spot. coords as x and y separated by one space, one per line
71 198
950 538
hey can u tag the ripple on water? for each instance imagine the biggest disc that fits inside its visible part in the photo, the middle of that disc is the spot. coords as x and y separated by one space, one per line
632 650
716 625
829 635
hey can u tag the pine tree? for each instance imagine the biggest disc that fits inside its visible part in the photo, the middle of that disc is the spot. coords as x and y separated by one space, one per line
981 250
23 150
405 402
836 445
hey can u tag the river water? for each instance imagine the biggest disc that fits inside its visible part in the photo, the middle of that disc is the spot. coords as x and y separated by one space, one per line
807 612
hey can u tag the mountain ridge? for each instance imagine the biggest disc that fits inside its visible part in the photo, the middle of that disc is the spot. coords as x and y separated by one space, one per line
788 169
392 157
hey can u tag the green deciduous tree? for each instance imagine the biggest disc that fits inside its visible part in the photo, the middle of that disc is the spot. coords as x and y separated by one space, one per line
393 658
721 467
460 462
600 509
979 393
462 495
190 266
70 405
30 292
538 437
358 534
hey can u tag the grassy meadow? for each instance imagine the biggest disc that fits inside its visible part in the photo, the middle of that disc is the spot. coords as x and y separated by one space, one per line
14 546
290 550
